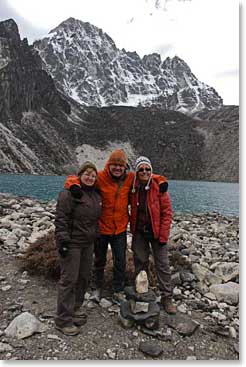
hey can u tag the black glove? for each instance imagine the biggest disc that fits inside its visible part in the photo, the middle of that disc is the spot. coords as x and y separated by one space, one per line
162 244
76 191
163 187
63 249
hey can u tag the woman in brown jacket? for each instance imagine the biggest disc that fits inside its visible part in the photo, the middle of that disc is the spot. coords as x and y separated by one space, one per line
76 228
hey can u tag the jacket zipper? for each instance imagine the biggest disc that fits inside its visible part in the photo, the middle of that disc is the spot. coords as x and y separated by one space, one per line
116 197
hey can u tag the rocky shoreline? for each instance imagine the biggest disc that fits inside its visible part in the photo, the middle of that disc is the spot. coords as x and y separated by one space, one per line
204 256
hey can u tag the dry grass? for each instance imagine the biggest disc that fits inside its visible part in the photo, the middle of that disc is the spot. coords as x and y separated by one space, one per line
42 259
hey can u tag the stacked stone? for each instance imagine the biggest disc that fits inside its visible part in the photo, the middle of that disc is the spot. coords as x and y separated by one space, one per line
141 306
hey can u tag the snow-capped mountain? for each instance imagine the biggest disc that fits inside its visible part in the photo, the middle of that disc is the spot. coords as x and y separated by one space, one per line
45 132
87 66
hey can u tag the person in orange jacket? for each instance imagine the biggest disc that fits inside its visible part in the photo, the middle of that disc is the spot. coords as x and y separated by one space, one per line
114 183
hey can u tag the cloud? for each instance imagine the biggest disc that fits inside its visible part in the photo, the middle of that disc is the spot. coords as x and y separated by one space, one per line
227 73
205 34
164 49
26 28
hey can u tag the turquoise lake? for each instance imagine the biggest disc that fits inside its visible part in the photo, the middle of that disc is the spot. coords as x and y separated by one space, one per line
187 196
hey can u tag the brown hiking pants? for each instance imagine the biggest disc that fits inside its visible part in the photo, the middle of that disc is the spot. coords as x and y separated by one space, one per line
75 272
141 253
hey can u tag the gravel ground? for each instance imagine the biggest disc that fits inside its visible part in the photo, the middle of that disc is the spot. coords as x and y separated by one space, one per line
102 337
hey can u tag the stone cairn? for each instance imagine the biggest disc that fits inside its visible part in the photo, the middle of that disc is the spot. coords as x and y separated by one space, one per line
141 306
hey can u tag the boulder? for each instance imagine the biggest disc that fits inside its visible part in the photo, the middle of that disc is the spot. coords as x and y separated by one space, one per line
228 292
23 326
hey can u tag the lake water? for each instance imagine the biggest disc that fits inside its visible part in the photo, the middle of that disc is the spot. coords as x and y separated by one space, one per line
187 196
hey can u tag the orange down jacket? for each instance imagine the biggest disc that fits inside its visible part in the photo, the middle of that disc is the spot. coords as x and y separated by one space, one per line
115 199
160 210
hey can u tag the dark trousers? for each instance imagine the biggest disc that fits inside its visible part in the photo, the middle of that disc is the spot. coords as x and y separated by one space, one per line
141 253
75 271
118 247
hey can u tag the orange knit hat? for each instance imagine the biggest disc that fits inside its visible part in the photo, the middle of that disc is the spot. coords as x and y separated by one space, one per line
118 157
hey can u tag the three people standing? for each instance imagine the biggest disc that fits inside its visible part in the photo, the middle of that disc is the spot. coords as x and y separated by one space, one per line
115 184
80 209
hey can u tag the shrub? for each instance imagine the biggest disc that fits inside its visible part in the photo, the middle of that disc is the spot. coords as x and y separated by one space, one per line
41 258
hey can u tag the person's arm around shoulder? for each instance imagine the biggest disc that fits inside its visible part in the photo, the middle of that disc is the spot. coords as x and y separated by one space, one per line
72 184
161 181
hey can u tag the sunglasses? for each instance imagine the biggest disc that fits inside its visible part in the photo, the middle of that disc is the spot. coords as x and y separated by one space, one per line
144 169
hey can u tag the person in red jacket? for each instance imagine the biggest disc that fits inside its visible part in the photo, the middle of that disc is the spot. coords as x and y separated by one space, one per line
115 183
150 220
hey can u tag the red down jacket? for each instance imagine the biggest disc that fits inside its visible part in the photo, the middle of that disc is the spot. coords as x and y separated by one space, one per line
160 209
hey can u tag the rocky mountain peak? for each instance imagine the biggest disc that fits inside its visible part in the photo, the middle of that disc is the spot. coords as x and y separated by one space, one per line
176 64
44 132
87 66
24 85
153 62
9 30
75 30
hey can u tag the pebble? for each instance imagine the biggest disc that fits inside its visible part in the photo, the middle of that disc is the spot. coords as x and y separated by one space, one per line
111 354
6 288
202 239
151 348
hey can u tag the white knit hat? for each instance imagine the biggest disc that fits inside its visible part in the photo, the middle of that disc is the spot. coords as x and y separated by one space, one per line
142 160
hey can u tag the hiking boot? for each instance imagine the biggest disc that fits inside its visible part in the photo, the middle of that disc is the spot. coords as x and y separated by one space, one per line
79 321
96 295
168 305
118 297
69 330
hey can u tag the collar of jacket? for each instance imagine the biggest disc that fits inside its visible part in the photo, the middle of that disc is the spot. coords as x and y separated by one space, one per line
138 185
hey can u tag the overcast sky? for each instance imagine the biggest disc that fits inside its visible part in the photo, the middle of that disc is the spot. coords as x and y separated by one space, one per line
204 33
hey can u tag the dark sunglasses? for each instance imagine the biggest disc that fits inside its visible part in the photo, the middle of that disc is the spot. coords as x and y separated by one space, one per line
144 169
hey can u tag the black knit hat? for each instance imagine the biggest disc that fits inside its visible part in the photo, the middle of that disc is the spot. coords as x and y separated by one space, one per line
85 166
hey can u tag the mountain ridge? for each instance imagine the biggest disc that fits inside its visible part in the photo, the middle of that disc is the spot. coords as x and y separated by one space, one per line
105 75
44 131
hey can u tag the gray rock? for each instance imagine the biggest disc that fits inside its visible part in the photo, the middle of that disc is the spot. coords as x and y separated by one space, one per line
111 354
152 322
204 275
227 271
104 303
183 324
23 326
5 347
176 279
151 348
125 311
127 323
187 277
6 288
137 307
182 308
131 293
228 292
